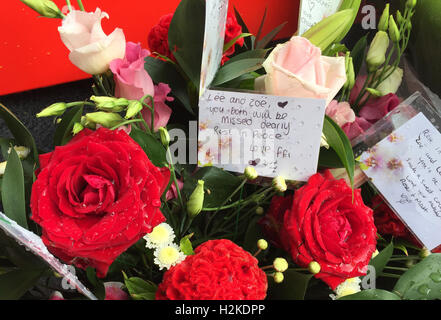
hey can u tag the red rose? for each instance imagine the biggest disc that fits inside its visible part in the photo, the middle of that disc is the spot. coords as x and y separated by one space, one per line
386 221
95 197
158 37
327 226
219 270
272 222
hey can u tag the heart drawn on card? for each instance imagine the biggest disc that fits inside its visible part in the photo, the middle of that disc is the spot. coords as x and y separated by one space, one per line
282 104
254 162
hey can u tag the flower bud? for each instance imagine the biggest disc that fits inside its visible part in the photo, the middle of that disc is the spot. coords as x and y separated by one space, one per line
110 103
132 110
279 184
56 109
106 119
374 92
260 211
384 19
400 18
376 253
86 123
196 200
424 253
22 152
165 137
314 267
2 167
77 128
411 4
262 244
376 55
280 264
394 33
350 74
250 173
45 8
278 277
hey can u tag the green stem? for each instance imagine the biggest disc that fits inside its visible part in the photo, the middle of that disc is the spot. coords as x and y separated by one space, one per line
151 108
229 206
396 268
175 180
124 123
69 5
80 4
100 84
390 275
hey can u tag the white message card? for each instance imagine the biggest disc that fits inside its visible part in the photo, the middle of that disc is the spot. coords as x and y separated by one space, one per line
276 135
406 168
313 11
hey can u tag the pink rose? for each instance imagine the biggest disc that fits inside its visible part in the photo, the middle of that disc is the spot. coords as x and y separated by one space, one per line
162 111
91 50
297 68
340 112
131 79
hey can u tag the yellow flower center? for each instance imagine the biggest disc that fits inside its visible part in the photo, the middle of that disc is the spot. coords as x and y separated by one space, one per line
168 255
159 235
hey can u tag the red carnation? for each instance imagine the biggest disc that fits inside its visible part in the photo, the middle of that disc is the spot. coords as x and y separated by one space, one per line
327 225
219 270
158 37
232 30
386 221
95 197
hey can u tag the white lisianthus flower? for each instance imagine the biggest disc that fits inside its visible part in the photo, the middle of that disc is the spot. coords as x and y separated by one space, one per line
91 50
22 152
161 235
2 167
346 288
168 256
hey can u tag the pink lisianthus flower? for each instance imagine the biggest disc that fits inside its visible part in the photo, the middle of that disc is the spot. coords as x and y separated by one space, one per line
113 291
172 192
91 50
340 112
162 111
131 79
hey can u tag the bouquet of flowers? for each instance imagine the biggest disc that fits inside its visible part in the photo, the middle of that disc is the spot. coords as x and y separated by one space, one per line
115 216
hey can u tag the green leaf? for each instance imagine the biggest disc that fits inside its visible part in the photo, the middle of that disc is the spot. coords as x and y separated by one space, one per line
235 69
63 131
186 246
358 54
422 281
381 260
14 284
251 54
293 286
19 131
220 183
140 289
186 37
270 36
245 29
161 71
328 158
13 190
340 143
233 41
372 294
98 286
152 147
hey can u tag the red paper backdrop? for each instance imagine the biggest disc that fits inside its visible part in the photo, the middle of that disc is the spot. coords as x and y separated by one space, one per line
33 56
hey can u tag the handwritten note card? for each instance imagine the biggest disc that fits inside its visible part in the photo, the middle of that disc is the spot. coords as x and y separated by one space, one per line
276 135
406 168
313 11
